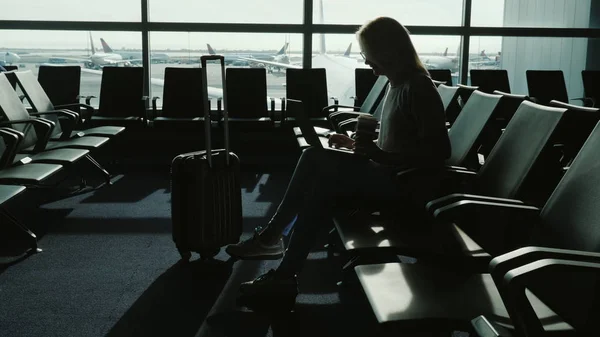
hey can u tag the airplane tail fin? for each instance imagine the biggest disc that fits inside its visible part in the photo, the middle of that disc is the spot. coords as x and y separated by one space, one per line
283 49
211 51
92 44
446 52
105 46
322 47
348 50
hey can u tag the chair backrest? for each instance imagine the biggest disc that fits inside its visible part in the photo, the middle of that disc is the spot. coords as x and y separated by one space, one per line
468 128
121 92
364 79
547 85
310 87
442 75
464 92
591 84
247 92
11 68
449 97
489 80
61 84
575 127
569 220
14 110
8 140
182 93
34 93
519 151
375 96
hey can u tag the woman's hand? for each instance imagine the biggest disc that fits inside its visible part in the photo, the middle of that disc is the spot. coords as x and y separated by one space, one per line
338 140
366 146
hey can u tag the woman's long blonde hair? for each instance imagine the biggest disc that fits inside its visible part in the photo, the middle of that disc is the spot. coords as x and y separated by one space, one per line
388 44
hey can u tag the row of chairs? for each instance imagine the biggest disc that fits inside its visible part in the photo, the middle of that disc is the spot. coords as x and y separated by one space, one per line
543 85
464 223
121 100
37 146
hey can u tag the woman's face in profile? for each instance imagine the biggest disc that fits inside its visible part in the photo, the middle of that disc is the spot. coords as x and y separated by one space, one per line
369 60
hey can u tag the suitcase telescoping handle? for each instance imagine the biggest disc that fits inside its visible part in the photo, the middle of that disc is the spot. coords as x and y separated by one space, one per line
207 119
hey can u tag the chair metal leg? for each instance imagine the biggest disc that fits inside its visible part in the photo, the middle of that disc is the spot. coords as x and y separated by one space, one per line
107 175
32 238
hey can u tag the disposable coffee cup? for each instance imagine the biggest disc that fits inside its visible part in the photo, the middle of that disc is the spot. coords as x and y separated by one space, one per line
366 127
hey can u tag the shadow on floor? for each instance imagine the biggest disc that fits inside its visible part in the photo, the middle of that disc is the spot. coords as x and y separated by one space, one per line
176 302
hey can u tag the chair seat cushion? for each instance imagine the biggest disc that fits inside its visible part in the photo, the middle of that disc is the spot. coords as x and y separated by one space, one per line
56 156
169 122
87 142
28 174
417 294
370 233
130 121
102 131
8 192
302 143
319 130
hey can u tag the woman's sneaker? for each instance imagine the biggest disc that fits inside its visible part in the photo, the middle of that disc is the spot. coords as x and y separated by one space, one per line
255 248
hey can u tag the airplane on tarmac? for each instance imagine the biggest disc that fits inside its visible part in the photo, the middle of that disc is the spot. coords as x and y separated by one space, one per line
135 56
100 59
8 58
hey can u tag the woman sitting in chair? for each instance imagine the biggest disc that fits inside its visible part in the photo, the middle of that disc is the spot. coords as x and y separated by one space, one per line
412 134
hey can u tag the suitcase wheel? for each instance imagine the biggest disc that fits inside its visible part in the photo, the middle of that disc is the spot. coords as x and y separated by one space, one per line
207 254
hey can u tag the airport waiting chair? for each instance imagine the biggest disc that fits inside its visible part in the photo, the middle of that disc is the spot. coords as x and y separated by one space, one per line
547 287
546 85
30 174
464 92
449 97
591 87
37 145
364 79
490 80
575 128
441 75
247 98
182 106
11 68
8 193
521 165
41 103
122 101
342 117
61 84
310 87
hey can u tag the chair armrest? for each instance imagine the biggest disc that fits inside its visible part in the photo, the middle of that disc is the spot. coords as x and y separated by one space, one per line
497 227
454 197
89 110
334 108
154 107
449 179
485 328
70 116
516 281
336 101
42 127
272 109
11 139
501 264
88 99
587 101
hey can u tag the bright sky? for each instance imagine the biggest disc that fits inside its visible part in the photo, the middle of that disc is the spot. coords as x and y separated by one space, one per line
408 12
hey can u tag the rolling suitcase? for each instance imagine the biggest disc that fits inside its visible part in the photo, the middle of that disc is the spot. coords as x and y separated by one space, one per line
206 205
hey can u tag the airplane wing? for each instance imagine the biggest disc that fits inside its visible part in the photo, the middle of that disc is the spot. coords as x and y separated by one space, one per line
271 63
